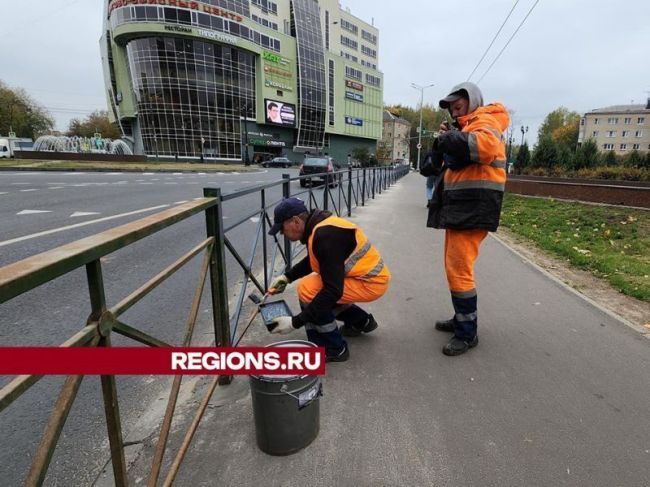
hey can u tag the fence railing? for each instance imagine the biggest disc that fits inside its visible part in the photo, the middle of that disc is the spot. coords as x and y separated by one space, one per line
349 189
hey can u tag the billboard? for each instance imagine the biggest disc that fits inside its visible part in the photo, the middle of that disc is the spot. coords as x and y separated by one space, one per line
354 121
279 113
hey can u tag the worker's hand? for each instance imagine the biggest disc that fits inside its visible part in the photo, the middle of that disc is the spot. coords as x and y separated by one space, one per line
444 127
283 325
278 285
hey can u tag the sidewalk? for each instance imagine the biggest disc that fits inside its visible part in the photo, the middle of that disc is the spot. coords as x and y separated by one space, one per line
556 393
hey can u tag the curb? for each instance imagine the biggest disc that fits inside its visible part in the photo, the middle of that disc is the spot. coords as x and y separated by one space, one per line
79 169
639 329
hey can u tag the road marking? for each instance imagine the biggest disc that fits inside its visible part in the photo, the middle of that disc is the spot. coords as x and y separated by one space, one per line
77 225
17 184
27 190
112 173
179 202
83 213
255 219
145 183
56 187
147 174
2 192
32 212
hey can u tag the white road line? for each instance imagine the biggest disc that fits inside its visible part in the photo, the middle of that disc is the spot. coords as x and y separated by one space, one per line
18 184
56 187
77 225
145 183
179 202
112 173
1 192
27 190
83 213
32 212
147 174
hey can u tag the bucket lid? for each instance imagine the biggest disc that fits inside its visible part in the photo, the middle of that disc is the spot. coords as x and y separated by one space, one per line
285 377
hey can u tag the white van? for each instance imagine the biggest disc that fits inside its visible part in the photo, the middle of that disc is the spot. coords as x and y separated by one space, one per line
5 152
9 145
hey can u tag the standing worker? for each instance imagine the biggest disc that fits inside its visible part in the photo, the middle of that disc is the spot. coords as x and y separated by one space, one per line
341 268
470 204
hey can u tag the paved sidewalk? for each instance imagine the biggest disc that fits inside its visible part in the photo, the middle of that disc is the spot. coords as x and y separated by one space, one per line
557 392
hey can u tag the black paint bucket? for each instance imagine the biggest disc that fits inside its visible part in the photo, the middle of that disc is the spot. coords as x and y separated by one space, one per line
286 408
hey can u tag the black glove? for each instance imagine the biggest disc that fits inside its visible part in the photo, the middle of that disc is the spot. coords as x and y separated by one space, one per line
454 144
432 164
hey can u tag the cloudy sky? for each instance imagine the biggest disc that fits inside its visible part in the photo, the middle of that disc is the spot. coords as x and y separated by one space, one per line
582 54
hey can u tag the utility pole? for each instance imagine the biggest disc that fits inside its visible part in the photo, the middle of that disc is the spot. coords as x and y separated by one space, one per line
421 88
523 131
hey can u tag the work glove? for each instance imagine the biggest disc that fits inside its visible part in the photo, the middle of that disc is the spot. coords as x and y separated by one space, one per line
283 325
279 284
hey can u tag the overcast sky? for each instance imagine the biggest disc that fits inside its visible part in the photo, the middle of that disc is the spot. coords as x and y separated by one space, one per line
582 54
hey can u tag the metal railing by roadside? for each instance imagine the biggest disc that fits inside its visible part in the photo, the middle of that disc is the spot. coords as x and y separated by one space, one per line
345 191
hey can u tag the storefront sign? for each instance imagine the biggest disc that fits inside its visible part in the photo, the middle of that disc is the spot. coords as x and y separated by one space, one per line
277 72
216 36
203 7
354 85
353 96
266 142
354 121
275 84
274 58
178 28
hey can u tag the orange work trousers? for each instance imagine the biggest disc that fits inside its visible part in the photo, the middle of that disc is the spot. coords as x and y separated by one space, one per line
461 251
354 290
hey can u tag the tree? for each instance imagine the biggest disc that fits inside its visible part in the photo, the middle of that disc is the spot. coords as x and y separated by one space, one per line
523 158
95 122
21 114
633 159
545 153
561 118
362 155
610 158
587 155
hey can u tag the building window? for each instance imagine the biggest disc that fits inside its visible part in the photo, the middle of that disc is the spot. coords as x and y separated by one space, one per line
368 65
627 120
611 133
640 120
636 146
349 56
369 37
595 121
353 73
350 27
368 52
594 133
373 80
623 146
625 133
264 22
327 29
638 133
608 146
331 92
612 120
582 121
267 6
347 42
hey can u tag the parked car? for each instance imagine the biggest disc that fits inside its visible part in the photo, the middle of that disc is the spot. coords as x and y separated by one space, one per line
277 162
318 165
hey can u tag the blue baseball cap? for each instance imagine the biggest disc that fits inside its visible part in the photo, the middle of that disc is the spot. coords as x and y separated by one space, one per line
287 208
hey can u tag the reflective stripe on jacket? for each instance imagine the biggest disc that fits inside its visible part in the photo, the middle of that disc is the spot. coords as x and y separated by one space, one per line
364 262
473 195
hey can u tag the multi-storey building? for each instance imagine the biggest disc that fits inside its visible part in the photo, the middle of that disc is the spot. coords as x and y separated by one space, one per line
619 128
395 142
224 78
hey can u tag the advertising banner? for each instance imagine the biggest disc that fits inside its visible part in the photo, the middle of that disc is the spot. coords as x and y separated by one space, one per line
279 113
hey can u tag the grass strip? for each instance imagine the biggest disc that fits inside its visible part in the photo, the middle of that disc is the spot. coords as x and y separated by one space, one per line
612 243
122 166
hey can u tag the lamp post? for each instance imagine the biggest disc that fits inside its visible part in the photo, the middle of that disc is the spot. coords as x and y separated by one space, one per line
523 131
244 110
421 88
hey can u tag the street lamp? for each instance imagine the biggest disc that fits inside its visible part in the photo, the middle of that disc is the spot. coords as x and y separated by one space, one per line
523 131
244 111
421 88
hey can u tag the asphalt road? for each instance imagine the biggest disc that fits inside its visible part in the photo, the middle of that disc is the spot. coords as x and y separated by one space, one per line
43 210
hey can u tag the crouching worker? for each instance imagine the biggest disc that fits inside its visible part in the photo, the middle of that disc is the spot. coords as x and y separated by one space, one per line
341 268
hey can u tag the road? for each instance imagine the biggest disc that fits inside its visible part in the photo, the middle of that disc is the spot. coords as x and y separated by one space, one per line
42 210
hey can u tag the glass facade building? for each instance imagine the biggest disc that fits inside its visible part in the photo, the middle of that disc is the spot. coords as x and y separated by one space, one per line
225 79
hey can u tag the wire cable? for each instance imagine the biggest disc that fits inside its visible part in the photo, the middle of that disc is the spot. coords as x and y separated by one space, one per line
493 39
507 43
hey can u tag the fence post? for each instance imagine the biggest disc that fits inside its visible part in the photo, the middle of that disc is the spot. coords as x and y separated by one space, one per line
286 193
326 189
218 274
264 249
374 181
363 188
349 190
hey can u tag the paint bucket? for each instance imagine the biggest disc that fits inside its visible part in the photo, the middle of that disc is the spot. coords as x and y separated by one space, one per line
286 408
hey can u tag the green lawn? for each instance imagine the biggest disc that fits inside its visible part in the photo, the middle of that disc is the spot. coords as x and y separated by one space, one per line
613 243
122 166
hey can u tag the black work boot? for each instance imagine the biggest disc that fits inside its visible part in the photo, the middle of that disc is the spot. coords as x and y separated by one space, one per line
353 331
458 346
341 356
445 325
